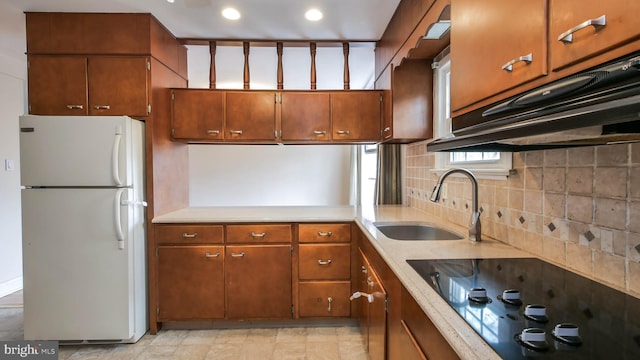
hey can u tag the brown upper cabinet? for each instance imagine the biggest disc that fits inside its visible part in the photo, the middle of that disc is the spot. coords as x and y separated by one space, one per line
250 116
495 48
104 34
306 116
580 30
94 85
293 117
510 47
197 114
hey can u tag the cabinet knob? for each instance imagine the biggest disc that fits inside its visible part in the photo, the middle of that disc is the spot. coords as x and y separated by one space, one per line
321 262
75 107
102 107
329 300
567 36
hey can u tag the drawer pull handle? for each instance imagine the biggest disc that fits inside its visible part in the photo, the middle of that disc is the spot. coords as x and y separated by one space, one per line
358 294
320 262
258 235
235 132
185 235
75 107
325 233
237 255
208 255
386 129
343 132
102 107
567 36
526 58
213 132
330 300
320 132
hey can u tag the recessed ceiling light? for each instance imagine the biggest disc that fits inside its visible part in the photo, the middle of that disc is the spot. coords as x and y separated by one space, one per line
171 1
231 13
313 15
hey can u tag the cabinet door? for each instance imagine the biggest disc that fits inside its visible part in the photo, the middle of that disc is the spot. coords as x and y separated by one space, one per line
324 299
258 280
250 116
190 282
197 114
410 348
377 317
356 115
487 38
568 17
305 116
118 85
57 85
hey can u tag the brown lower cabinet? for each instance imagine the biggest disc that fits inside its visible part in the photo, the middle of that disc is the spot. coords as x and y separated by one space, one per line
258 279
372 309
190 282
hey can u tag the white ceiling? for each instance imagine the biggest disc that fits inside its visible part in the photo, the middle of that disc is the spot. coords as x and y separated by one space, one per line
261 19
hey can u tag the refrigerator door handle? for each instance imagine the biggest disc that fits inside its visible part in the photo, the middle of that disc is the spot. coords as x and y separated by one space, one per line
115 158
118 222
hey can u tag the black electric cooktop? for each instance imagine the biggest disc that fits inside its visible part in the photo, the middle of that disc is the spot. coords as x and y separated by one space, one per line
527 308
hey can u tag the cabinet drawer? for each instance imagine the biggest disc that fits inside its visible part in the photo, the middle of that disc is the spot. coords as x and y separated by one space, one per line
324 233
258 233
327 298
324 262
182 234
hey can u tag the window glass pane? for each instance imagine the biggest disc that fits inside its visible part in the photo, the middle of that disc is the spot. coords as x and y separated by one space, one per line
492 156
474 156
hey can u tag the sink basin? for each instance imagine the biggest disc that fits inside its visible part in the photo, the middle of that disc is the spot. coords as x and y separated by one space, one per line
415 231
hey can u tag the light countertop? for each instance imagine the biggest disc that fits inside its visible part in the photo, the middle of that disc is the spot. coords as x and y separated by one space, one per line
460 336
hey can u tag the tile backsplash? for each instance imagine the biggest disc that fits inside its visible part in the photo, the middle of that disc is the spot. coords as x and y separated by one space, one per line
577 207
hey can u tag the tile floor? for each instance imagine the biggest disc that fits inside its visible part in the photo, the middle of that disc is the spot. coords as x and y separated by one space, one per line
323 342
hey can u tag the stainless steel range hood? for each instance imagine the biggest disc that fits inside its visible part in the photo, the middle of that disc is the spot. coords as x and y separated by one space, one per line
599 106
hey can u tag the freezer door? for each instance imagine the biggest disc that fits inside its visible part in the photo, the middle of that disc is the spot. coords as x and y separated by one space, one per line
78 278
77 150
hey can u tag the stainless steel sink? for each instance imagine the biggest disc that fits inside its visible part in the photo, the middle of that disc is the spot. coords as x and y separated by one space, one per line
415 231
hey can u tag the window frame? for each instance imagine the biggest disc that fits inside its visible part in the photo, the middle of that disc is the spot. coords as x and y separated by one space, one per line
491 169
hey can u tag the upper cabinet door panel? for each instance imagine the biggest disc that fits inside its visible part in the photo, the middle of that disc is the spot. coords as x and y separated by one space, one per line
197 114
495 47
250 116
88 33
57 85
118 86
356 115
581 29
305 116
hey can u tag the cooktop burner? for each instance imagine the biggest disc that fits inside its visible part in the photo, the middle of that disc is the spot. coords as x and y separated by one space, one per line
527 308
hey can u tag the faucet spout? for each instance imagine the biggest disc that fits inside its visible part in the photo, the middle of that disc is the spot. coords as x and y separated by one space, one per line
475 229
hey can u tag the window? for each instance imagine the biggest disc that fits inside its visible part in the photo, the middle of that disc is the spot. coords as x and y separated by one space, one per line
483 164
368 173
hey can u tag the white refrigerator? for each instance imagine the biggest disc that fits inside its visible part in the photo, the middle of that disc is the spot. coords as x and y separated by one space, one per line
83 228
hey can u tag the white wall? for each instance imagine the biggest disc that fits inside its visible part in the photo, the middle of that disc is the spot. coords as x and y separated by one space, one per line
12 104
270 175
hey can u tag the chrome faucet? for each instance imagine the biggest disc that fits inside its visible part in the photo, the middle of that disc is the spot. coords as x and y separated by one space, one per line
475 230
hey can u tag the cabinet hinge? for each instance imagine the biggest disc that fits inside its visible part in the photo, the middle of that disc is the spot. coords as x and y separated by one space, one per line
149 109
173 132
173 96
158 311
380 97
292 309
148 65
386 305
291 250
157 253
